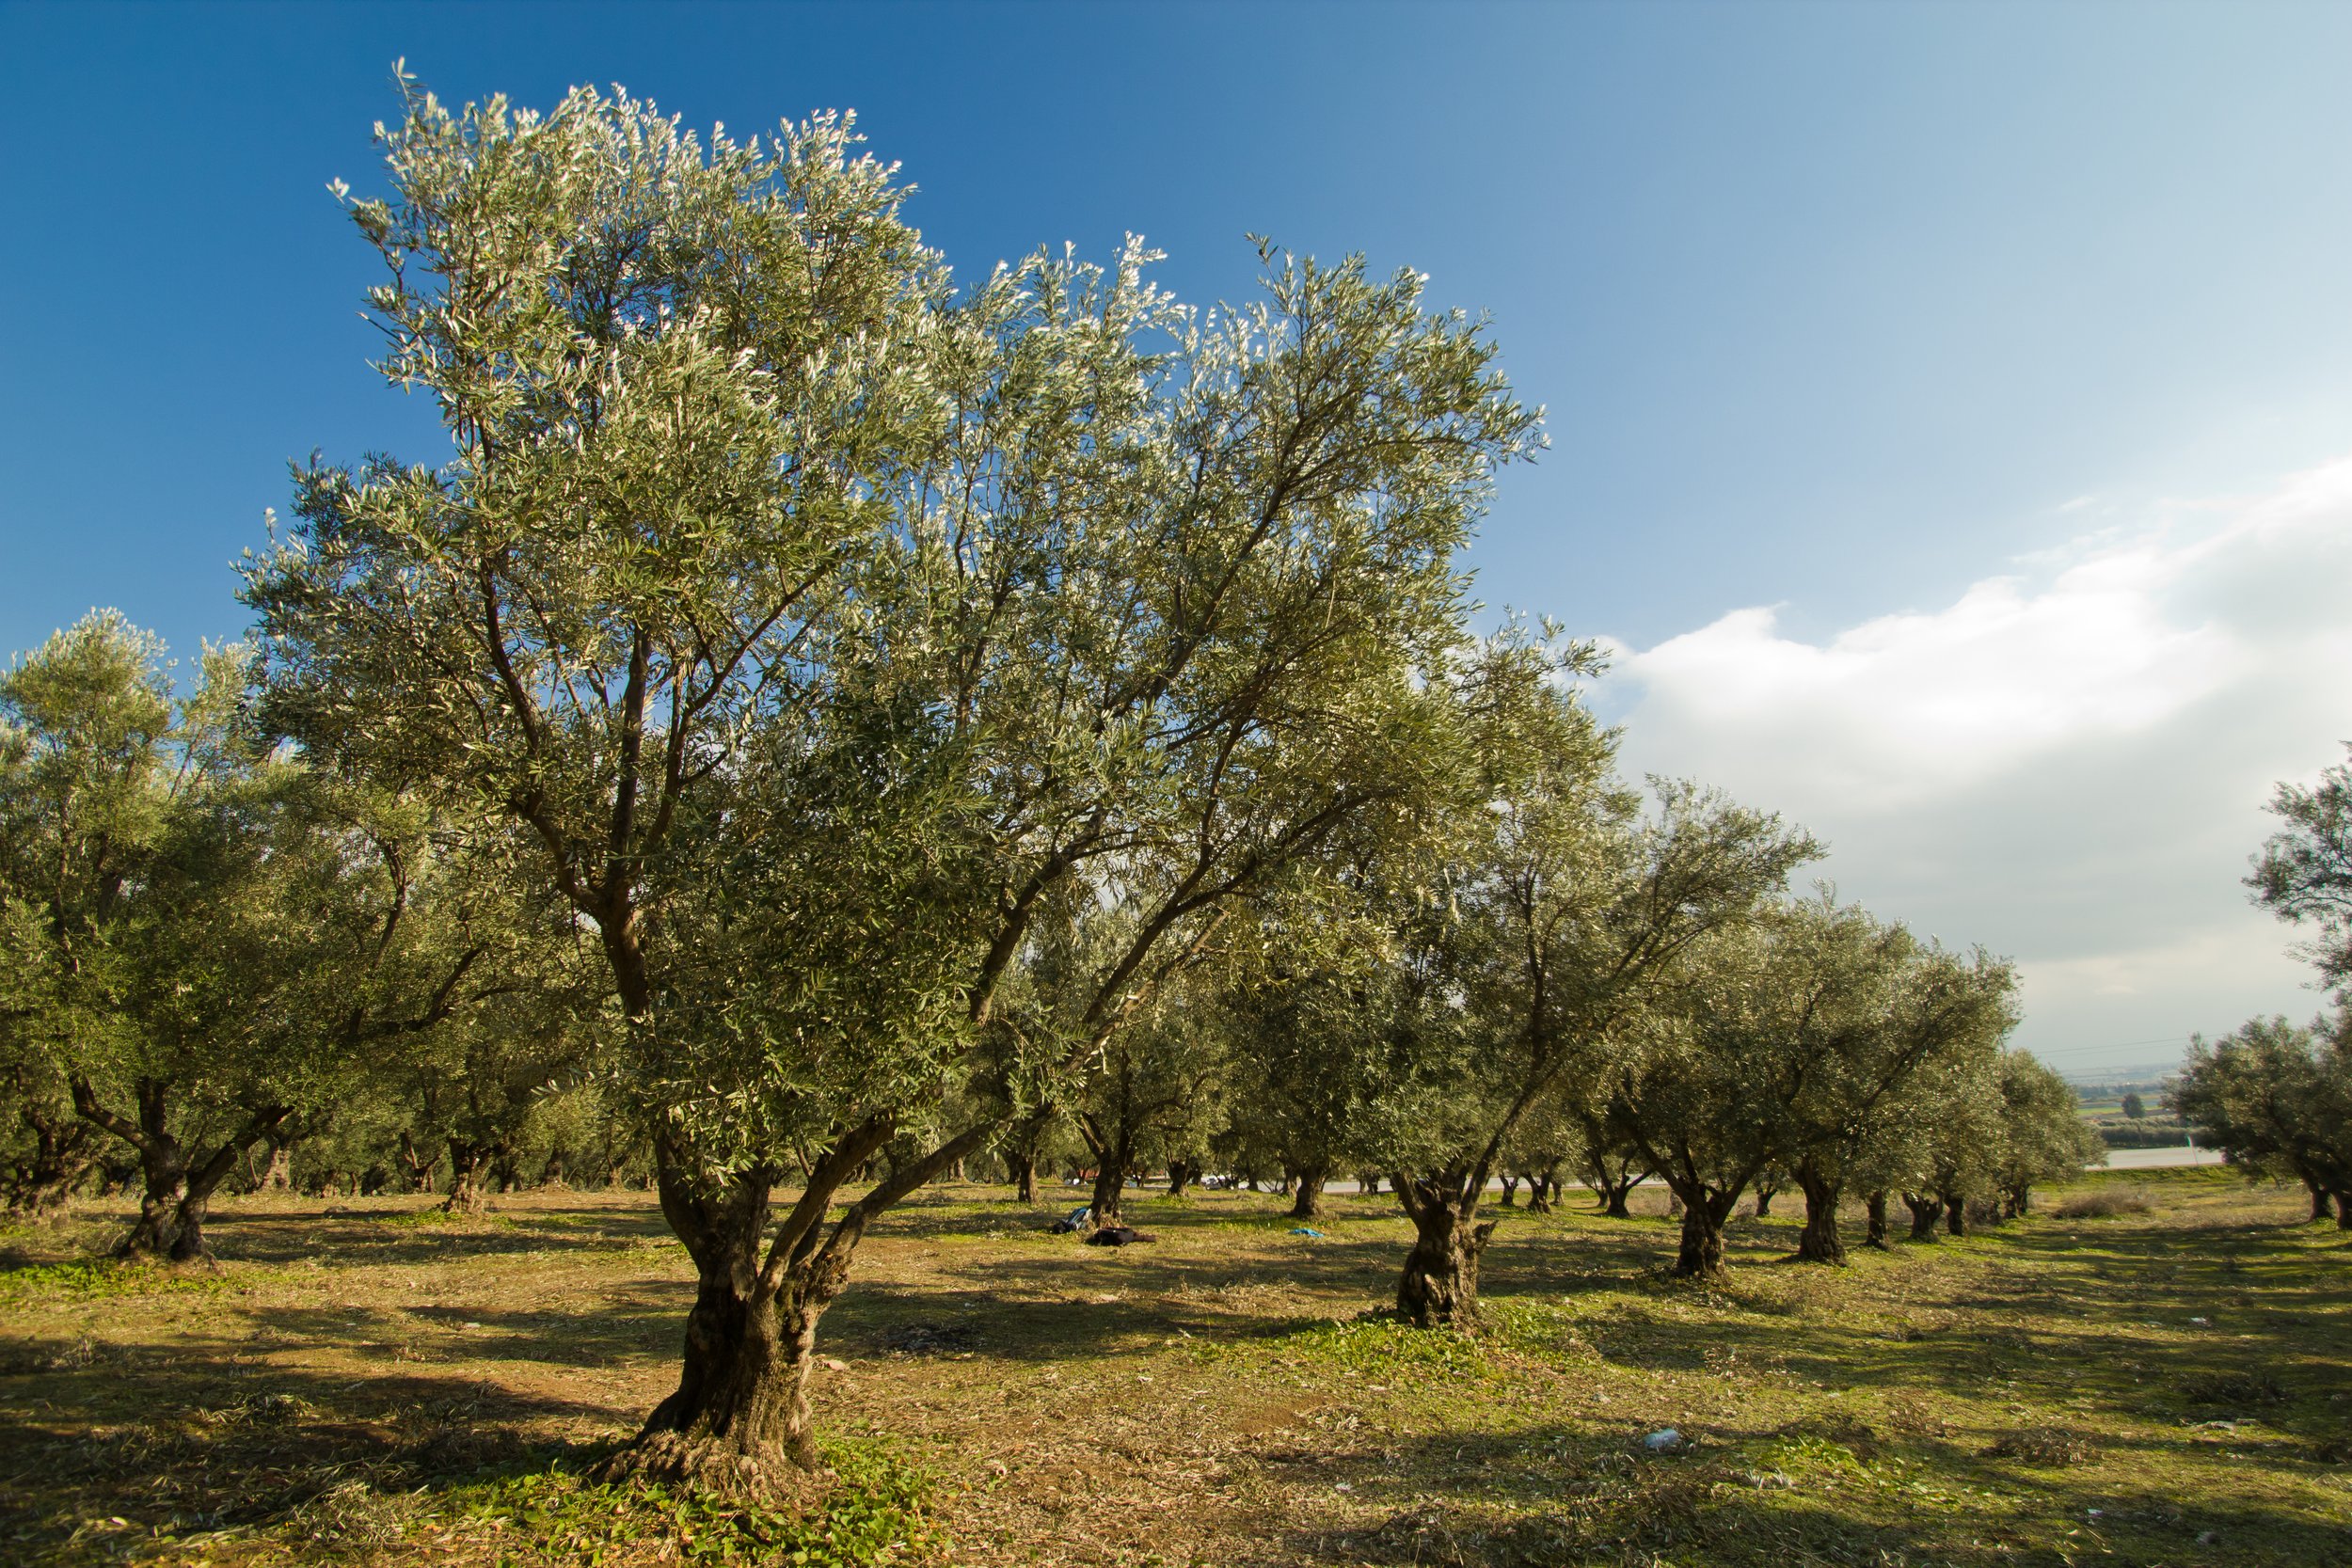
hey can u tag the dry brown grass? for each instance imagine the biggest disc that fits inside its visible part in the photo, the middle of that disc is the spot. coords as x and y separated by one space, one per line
351 1387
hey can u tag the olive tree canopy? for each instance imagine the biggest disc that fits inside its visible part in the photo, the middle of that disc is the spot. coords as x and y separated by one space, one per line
827 627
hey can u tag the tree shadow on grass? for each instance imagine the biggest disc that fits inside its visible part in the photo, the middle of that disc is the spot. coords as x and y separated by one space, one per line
136 1442
1765 1498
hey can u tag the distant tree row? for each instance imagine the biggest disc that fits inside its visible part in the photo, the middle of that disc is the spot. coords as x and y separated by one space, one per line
817 725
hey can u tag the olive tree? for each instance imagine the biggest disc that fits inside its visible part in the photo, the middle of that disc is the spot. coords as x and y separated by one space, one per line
1566 907
828 627
2043 1137
2276 1099
2304 871
1899 1005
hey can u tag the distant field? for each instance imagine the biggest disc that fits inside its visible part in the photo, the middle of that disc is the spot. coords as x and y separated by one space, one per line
2169 1384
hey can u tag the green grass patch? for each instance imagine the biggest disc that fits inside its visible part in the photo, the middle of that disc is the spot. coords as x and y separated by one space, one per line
86 1279
878 1512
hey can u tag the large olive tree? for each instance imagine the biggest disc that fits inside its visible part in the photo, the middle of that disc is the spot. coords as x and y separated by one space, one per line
832 630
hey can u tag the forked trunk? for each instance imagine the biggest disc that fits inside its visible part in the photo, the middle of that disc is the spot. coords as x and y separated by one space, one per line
1440 1287
1820 1243
1927 1212
1764 1197
466 1169
1539 1193
738 1421
1510 1193
164 1172
1180 1174
414 1166
278 1175
1704 1216
1875 1206
1308 1203
1111 1180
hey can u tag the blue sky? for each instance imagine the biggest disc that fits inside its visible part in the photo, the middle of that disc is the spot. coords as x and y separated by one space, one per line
1881 344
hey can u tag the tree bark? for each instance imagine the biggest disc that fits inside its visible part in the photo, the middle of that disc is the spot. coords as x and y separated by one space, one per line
1180 1174
1875 1204
2323 1207
1820 1243
2343 1211
1111 1180
466 1163
1764 1197
1955 1213
1023 1163
1704 1216
1440 1286
1927 1210
1510 1193
738 1419
1307 1202
177 1186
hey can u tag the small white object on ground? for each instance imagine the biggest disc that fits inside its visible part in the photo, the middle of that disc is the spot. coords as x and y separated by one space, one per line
1663 1439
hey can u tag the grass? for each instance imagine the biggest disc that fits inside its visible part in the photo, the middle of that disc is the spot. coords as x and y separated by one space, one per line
2152 1370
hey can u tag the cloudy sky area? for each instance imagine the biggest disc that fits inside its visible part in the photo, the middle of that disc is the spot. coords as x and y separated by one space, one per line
1951 406
2066 762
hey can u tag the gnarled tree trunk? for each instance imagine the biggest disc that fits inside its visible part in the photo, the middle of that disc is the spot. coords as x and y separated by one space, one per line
1820 1243
738 1421
1510 1193
1955 1212
2343 1209
1440 1286
1180 1174
1024 1165
1874 1204
1705 1213
467 1166
178 1183
1307 1202
1927 1212
2323 1207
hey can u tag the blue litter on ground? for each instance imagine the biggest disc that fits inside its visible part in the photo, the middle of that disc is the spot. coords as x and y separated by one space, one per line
1303 1230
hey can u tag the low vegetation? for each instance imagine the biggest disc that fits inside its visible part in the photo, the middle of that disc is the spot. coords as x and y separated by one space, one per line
2152 1370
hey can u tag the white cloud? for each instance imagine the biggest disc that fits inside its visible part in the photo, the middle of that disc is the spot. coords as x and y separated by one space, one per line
2068 763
